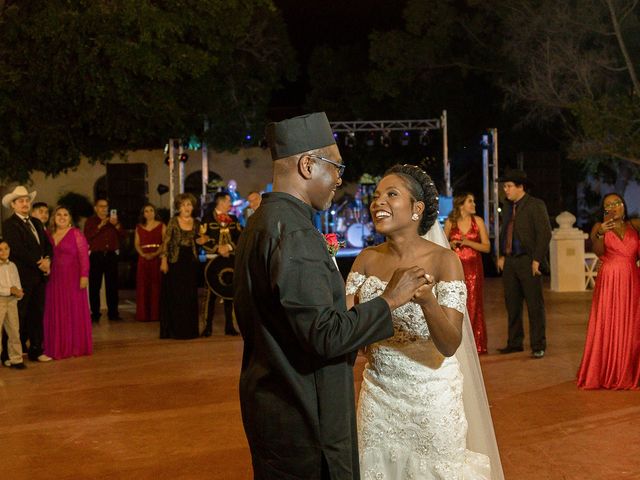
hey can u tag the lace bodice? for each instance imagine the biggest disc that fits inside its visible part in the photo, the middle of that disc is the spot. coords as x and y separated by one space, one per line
408 320
411 419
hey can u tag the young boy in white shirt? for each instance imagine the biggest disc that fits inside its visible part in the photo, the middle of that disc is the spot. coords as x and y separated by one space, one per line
10 293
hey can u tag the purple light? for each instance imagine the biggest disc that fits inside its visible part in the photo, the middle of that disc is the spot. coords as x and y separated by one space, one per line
406 134
248 137
335 135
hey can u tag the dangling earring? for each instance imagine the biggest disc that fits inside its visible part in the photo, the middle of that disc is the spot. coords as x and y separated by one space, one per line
415 217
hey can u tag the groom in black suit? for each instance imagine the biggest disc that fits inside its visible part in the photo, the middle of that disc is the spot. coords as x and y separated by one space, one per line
31 251
300 341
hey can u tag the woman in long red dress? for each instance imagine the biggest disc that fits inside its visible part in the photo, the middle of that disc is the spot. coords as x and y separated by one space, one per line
468 237
611 356
148 243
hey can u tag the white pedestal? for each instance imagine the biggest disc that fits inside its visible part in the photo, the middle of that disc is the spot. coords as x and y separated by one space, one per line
567 256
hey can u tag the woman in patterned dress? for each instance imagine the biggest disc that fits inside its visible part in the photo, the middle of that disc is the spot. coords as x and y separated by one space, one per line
411 416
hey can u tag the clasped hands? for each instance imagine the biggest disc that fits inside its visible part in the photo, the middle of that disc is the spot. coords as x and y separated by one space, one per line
409 284
44 264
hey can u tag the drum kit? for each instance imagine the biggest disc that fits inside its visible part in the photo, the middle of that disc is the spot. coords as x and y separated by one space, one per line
351 220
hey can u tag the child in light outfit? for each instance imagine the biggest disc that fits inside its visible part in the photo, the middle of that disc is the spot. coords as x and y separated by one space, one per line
10 293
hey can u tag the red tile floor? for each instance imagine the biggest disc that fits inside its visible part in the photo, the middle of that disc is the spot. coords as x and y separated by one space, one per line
146 408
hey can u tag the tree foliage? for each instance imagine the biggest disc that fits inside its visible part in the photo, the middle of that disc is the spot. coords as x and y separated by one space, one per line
577 61
94 77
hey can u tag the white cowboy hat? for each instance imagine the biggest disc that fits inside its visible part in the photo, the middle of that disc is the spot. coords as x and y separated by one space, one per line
18 192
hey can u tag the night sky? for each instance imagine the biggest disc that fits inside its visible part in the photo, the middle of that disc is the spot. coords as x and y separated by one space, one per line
329 22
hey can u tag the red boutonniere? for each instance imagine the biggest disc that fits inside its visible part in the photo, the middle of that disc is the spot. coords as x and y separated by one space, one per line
224 219
333 244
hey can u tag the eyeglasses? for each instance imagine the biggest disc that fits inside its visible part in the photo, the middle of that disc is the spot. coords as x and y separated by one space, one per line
339 166
609 205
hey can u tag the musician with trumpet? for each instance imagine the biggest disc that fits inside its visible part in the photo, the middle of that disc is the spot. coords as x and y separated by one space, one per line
221 231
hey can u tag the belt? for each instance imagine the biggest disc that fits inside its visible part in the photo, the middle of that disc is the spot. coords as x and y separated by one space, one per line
150 245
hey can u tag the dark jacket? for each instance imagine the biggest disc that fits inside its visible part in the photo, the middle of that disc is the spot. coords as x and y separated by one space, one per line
296 384
216 231
531 228
25 250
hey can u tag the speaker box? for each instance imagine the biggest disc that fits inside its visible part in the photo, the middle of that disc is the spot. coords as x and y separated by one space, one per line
127 190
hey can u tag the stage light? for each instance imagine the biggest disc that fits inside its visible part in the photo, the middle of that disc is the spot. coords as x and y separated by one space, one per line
405 138
370 141
350 140
162 189
385 139
424 138
184 157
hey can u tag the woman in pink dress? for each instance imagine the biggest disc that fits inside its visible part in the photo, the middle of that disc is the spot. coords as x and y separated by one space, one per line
148 243
611 356
468 237
67 320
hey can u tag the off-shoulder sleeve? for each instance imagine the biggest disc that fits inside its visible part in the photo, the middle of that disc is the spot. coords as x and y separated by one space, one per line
83 252
354 282
452 294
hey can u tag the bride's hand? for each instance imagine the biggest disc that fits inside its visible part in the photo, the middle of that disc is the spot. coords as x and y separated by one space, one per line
424 295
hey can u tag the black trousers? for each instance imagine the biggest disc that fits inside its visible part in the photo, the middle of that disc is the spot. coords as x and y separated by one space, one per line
519 285
212 298
103 263
31 313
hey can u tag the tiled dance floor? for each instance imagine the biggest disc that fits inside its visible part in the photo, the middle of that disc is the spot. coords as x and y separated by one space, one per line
144 408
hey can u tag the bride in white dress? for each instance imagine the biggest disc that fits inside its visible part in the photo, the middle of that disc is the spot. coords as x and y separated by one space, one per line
411 415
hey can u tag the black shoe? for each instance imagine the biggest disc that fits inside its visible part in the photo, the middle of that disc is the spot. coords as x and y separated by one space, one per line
206 332
537 354
18 366
509 349
95 319
116 318
231 333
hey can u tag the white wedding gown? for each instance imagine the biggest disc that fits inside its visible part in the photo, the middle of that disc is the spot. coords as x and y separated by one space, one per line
411 417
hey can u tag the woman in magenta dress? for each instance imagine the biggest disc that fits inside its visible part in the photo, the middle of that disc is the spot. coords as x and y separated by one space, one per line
148 243
611 356
67 320
468 237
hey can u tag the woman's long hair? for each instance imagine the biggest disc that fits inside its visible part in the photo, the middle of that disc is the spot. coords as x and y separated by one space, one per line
458 201
52 221
141 219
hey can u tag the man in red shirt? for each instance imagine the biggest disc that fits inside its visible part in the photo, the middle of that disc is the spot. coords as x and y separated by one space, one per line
104 234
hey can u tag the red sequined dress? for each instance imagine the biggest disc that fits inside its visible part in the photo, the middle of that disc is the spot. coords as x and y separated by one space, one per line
474 278
611 356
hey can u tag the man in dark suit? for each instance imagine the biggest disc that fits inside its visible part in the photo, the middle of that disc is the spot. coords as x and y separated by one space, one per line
223 231
300 341
525 237
31 251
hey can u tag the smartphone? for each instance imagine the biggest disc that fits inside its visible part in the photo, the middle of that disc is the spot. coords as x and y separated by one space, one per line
609 216
113 212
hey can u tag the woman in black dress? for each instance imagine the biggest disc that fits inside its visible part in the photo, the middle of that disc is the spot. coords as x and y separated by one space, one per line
179 301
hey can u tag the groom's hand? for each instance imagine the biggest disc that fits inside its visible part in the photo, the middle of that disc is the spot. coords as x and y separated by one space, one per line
403 285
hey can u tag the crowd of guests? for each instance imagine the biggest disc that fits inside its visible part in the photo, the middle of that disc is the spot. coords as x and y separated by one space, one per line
47 265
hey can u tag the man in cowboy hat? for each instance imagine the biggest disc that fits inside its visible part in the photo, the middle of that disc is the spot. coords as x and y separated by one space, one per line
31 252
525 237
300 341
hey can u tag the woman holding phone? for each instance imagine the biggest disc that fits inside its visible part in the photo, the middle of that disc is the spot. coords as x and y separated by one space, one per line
611 356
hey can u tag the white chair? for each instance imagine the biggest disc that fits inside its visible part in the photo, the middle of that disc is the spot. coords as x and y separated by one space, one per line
590 269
